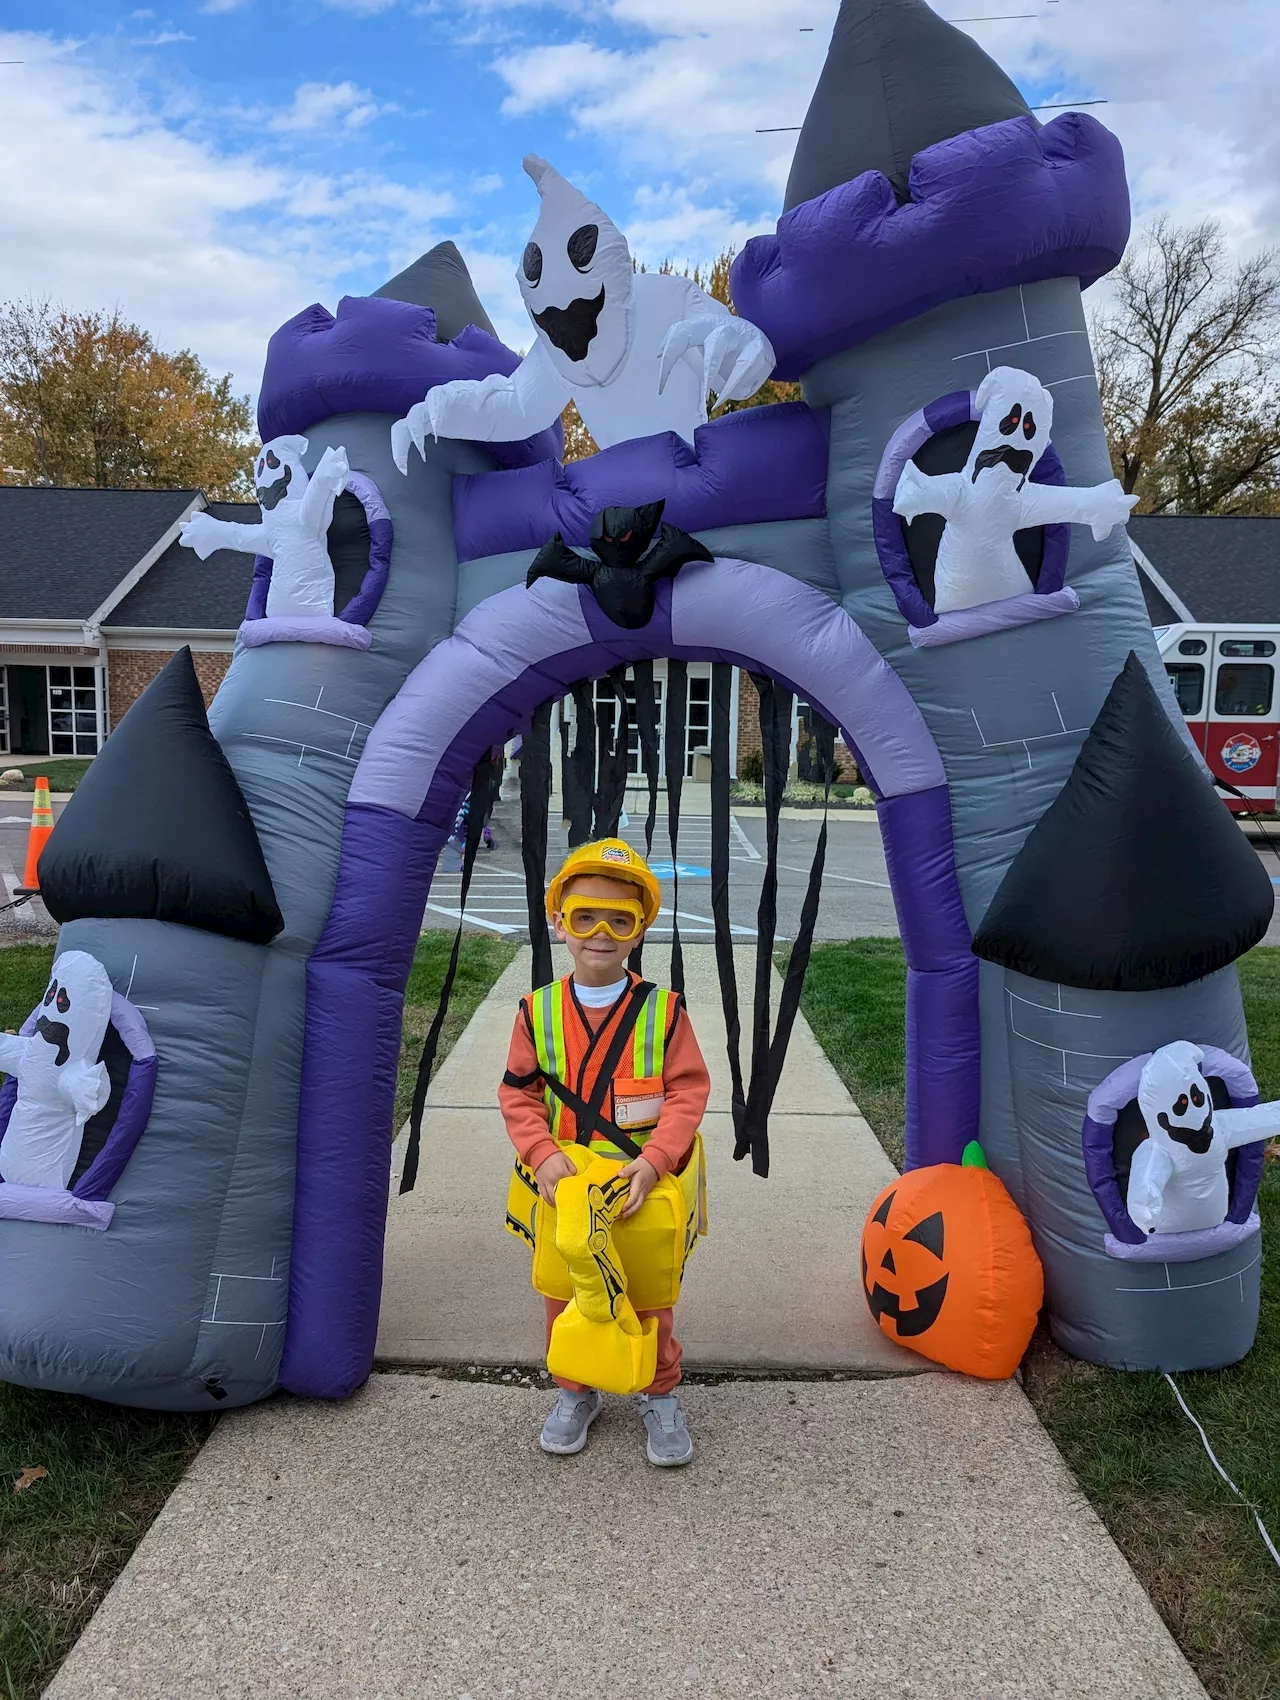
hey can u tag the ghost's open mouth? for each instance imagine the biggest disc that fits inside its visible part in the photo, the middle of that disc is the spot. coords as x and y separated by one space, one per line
55 1033
1197 1139
572 329
270 495
1004 454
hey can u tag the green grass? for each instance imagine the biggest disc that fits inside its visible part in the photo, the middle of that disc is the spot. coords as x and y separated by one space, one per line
1194 1547
65 1538
64 773
479 965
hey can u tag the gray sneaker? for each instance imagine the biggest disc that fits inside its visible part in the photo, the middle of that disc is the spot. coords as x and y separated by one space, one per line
565 1430
669 1440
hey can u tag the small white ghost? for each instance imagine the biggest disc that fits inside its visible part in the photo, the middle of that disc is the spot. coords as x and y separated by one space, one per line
993 496
1178 1178
61 1083
297 512
638 351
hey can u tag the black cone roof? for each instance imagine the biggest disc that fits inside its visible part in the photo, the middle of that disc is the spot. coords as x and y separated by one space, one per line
158 829
1136 877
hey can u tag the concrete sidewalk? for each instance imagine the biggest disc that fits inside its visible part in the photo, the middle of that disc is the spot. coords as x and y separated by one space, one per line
898 1534
858 1540
456 1286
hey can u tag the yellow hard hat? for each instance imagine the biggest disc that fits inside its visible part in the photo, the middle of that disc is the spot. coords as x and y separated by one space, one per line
614 859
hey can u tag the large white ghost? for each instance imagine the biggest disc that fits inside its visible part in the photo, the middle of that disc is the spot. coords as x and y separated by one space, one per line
1178 1179
993 496
297 512
638 351
61 1083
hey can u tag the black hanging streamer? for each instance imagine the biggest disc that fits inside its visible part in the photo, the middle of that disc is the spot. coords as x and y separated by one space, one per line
535 809
647 728
611 791
721 696
677 709
579 770
775 741
482 795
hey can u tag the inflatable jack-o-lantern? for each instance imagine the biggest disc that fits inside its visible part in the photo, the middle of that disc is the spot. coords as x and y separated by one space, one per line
948 1267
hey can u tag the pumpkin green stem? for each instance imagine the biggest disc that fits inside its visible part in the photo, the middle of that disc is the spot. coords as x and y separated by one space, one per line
973 1157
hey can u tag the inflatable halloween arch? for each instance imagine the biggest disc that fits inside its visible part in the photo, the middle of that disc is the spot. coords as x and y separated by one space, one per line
1071 895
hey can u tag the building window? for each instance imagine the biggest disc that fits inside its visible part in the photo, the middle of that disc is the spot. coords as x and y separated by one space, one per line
1244 692
1188 685
73 711
697 725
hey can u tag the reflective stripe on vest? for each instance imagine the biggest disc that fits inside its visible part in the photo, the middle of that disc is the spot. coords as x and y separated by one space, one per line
559 1057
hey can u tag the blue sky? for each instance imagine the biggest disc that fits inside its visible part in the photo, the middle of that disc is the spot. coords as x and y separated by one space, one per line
212 167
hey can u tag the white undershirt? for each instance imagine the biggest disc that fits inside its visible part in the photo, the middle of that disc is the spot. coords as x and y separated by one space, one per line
599 997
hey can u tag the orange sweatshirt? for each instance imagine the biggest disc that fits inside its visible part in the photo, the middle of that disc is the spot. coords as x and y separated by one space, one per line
686 1086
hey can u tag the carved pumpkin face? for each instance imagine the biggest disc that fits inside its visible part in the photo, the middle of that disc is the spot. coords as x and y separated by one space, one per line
949 1270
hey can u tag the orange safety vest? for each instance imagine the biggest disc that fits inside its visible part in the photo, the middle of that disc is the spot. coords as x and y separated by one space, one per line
571 1058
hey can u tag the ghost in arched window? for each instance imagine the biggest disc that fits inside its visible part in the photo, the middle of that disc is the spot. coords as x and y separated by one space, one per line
993 496
1178 1178
638 352
297 511
61 1082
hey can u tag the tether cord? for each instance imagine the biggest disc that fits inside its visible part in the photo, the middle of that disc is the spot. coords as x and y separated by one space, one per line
535 809
647 727
677 709
721 694
775 740
612 788
481 798
1254 816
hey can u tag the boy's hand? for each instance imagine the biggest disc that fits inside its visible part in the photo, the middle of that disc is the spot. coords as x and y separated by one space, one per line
643 1177
550 1172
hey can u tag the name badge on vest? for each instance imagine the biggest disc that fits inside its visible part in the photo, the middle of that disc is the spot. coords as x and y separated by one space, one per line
637 1103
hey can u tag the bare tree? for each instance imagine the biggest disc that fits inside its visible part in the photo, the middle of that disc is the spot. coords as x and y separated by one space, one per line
1187 367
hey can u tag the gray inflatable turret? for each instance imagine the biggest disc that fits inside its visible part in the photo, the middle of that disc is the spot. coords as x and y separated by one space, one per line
226 1238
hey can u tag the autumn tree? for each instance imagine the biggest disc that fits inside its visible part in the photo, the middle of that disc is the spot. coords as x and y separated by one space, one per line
1187 370
88 399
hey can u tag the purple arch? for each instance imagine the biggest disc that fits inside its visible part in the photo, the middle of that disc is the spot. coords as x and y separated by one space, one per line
474 690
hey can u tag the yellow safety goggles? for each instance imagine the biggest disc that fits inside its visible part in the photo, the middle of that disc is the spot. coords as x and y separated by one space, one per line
621 917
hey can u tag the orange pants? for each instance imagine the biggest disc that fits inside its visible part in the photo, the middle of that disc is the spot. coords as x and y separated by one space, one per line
670 1351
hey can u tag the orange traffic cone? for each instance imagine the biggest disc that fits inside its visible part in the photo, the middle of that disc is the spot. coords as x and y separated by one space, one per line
41 827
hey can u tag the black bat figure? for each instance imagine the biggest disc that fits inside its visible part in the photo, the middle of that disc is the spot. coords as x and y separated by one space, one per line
626 570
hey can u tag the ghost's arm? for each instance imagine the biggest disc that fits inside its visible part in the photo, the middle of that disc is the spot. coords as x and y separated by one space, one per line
204 534
325 483
486 410
85 1087
1148 1176
737 356
1099 506
918 493
1245 1127
13 1050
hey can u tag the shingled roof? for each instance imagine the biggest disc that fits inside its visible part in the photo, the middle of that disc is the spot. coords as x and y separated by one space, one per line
62 552
183 592
1222 567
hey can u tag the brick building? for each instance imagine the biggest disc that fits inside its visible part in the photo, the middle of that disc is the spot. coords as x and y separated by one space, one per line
96 593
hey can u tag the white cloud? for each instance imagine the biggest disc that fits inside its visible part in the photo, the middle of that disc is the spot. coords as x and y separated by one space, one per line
163 38
103 203
1189 85
487 184
321 106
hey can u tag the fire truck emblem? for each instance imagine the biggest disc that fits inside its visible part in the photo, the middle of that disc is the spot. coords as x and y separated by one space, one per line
1242 752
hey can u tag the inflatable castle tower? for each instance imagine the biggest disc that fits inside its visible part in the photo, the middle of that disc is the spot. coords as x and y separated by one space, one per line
1070 893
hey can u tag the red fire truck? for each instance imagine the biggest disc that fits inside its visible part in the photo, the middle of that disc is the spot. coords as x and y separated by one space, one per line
1224 677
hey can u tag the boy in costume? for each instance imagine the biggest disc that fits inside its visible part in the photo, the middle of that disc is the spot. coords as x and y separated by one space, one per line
607 1062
